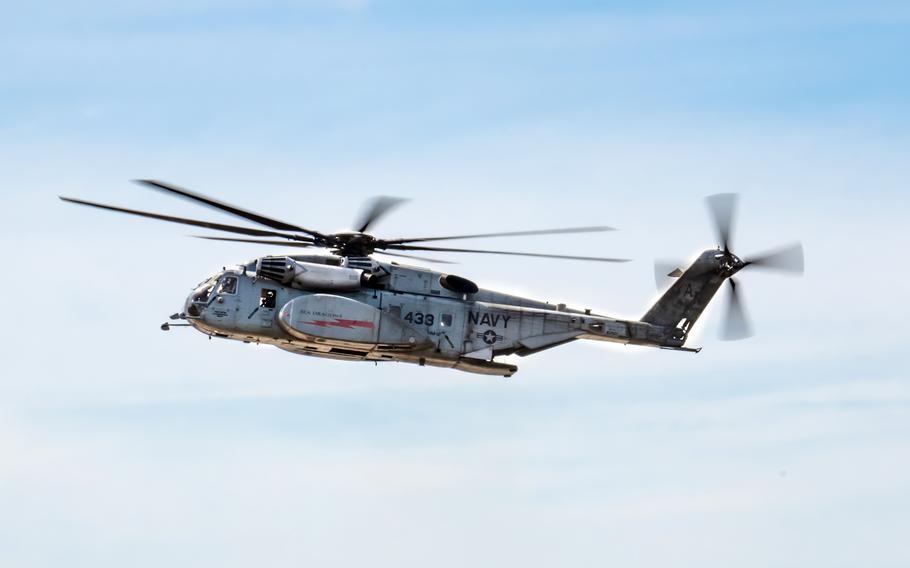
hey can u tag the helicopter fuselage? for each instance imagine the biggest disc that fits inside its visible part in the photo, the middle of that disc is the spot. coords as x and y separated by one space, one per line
398 313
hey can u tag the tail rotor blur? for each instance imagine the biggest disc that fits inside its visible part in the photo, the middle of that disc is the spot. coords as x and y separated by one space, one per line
787 259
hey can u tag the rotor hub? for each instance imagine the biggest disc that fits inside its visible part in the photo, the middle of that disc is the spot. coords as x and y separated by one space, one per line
729 264
351 243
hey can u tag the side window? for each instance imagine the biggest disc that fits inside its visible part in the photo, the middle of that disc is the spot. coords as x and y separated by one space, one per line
228 285
446 320
267 298
395 311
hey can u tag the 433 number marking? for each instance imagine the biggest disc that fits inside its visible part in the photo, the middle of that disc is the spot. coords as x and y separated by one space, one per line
420 318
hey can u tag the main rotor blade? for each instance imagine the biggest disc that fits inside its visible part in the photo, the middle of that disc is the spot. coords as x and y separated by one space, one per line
184 221
599 229
424 259
736 323
375 209
226 207
255 241
723 213
530 254
786 259
305 245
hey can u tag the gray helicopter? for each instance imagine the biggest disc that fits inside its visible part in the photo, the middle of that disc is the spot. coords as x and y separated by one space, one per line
348 305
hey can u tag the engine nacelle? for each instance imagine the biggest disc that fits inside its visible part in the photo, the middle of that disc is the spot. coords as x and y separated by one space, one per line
310 275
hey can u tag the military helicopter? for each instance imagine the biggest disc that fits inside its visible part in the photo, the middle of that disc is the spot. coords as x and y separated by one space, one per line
348 305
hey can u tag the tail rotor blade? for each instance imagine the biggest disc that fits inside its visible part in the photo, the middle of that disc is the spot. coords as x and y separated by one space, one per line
736 325
723 212
784 259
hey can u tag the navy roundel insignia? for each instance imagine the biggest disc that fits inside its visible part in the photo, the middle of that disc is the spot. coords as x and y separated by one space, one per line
489 337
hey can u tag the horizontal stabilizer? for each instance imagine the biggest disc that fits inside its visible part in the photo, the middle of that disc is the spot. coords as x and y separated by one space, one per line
664 270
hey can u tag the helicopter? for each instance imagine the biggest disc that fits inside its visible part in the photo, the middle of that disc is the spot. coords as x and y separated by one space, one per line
349 305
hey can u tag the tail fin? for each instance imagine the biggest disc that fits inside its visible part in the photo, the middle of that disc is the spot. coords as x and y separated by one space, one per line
687 298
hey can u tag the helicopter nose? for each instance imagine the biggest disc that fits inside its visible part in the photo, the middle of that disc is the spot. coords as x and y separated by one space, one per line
191 308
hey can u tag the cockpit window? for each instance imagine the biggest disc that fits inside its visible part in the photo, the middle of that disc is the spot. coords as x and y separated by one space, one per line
204 290
228 285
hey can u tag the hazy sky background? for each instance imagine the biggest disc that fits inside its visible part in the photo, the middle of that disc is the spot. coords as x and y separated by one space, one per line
122 445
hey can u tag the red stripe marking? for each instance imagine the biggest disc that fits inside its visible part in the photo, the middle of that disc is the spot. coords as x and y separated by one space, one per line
344 323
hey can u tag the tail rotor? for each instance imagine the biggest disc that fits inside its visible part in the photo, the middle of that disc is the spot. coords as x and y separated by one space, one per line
685 300
787 259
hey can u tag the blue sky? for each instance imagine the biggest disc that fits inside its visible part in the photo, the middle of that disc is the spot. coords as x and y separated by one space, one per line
121 444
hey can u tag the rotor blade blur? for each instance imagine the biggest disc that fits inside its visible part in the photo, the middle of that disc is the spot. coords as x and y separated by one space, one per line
528 254
422 258
723 212
184 221
736 324
599 229
784 259
225 207
255 241
377 208
664 271
305 245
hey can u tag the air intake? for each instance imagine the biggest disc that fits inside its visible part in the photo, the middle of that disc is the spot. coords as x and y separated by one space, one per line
359 262
280 268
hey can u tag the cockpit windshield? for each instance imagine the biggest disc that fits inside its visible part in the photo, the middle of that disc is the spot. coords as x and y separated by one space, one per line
220 284
204 290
